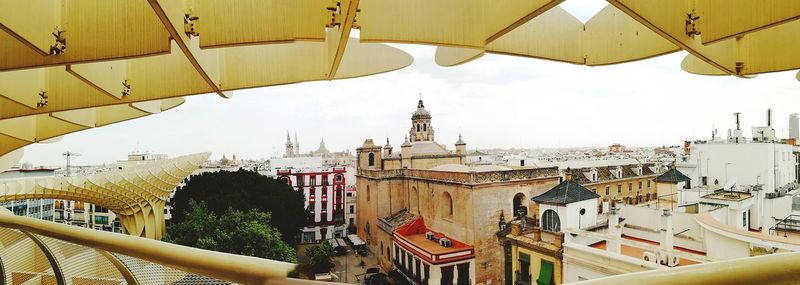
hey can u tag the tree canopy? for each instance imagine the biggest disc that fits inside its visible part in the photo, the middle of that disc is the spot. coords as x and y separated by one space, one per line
237 232
244 190
320 257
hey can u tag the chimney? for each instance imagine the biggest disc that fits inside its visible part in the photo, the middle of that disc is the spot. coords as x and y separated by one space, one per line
516 228
559 240
614 230
769 117
666 231
537 234
737 119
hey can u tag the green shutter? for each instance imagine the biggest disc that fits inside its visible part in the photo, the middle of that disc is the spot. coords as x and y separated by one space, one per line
545 274
524 258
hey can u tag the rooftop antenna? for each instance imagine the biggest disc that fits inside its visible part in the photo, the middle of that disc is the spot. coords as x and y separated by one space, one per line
737 119
69 154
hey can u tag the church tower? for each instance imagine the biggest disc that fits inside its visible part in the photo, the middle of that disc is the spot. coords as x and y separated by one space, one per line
289 147
421 129
296 144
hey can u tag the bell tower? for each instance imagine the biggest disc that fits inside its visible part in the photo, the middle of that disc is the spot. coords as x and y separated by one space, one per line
289 147
421 129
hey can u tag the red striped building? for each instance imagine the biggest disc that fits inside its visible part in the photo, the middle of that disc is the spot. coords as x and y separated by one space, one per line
425 256
325 201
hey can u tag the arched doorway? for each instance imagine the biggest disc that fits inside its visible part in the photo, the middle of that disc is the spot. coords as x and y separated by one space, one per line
550 221
519 205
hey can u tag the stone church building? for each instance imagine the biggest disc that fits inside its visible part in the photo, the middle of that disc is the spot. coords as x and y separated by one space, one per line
460 204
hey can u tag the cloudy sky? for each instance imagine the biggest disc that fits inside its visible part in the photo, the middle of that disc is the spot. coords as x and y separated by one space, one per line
495 101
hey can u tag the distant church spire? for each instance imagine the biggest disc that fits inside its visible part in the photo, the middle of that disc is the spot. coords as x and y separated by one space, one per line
296 145
289 146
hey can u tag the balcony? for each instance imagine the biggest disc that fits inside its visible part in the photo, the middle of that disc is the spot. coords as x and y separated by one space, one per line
522 279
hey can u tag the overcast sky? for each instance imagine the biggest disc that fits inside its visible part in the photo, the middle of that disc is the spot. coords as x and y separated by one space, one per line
495 101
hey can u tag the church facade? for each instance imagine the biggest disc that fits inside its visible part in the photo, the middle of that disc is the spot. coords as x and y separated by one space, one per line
458 202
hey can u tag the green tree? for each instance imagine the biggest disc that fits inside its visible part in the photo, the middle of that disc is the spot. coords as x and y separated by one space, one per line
239 232
320 257
244 190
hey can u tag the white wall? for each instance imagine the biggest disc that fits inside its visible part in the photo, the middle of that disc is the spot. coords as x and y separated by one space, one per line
776 209
650 219
747 161
724 248
570 216
574 217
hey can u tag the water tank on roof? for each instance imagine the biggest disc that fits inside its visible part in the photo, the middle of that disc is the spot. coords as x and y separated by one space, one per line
429 235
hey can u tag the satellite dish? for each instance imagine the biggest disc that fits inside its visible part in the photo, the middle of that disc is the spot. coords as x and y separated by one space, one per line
583 211
730 185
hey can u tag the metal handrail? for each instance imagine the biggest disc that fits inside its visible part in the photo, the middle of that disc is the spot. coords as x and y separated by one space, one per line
780 268
219 265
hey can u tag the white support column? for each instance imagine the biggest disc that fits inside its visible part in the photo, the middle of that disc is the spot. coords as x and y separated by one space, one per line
614 230
666 230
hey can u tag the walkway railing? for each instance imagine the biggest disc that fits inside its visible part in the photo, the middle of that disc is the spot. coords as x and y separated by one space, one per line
39 251
782 268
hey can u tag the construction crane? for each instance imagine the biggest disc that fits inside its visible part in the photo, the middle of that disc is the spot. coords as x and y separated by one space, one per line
69 154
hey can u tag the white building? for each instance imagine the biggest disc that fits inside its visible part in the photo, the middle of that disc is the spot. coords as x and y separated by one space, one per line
569 205
735 166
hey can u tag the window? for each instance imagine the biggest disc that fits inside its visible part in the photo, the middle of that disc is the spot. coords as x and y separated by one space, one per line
352 209
594 190
704 180
619 188
550 221
324 180
339 178
352 221
367 193
608 188
447 205
594 176
103 220
521 162
518 205
630 187
545 273
648 184
418 127
640 185
371 159
382 248
744 218
524 273
424 127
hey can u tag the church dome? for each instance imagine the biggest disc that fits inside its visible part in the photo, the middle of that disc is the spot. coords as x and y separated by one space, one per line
421 112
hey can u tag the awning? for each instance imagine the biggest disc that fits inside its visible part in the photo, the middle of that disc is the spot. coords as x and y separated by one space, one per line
545 274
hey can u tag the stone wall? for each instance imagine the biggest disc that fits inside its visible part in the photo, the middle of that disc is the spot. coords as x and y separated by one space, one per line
476 208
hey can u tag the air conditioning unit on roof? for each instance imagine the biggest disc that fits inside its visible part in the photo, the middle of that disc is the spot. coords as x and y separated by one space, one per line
429 235
650 257
445 242
667 259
